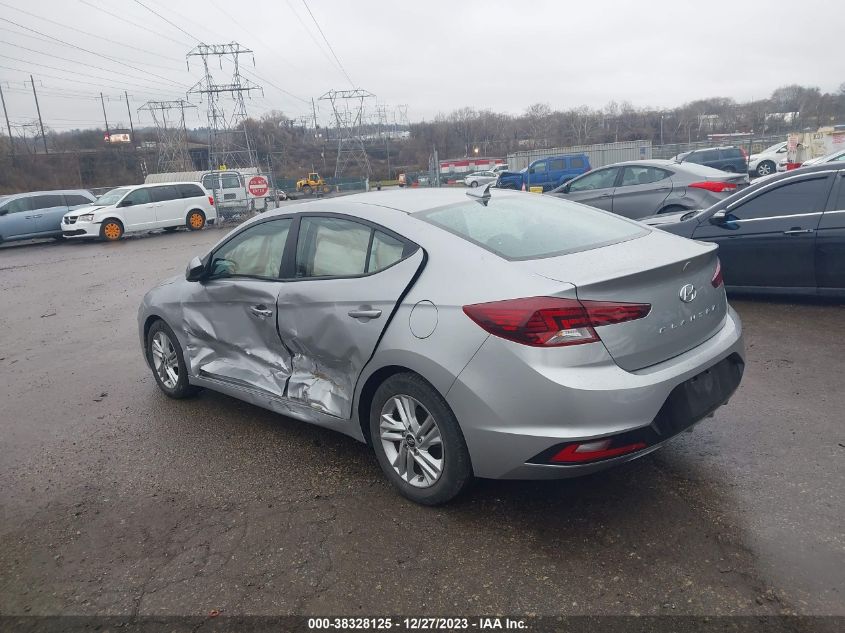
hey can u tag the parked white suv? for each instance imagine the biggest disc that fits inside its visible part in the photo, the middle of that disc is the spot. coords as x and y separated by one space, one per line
766 162
142 208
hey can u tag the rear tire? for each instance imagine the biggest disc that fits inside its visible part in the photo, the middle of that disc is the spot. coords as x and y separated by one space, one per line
418 442
167 362
195 220
111 230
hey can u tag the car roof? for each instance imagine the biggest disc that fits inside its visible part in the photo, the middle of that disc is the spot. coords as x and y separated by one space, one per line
160 184
47 192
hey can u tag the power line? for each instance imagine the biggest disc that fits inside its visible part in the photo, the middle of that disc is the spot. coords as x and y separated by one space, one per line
85 50
78 81
310 34
317 24
72 61
175 26
94 35
134 24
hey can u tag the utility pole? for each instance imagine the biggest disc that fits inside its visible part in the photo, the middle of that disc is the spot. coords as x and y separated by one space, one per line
38 109
103 101
131 127
8 126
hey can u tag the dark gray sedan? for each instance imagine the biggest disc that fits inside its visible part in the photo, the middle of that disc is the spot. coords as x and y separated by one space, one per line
784 234
639 188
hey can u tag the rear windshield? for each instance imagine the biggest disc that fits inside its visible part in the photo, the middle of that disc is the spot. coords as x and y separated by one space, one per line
532 226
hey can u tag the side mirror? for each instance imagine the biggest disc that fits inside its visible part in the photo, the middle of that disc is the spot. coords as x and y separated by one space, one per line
195 270
720 217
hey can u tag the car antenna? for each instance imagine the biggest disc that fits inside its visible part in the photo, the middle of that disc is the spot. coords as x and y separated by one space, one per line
482 196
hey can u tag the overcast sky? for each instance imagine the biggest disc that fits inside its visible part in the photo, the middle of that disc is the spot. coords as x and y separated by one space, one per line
434 56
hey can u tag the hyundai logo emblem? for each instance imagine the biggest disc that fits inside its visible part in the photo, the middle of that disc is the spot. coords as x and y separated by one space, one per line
688 293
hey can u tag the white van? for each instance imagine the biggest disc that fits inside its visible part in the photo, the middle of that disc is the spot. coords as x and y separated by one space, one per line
142 208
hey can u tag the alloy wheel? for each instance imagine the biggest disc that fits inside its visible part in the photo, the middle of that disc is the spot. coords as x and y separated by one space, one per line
165 361
411 440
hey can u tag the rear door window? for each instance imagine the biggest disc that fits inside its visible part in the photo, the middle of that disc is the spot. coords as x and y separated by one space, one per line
332 247
230 181
165 193
74 199
47 201
558 164
576 163
190 191
532 227
208 181
635 175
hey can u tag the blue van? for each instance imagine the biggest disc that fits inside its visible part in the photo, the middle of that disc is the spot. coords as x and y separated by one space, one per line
38 214
548 172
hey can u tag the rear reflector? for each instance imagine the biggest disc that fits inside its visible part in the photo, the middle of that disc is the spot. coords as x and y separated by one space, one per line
593 451
715 186
551 321
717 279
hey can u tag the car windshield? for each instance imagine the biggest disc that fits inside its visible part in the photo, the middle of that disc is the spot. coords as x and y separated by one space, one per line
112 197
520 227
773 148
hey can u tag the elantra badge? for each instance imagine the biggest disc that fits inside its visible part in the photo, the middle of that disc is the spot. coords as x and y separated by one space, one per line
688 293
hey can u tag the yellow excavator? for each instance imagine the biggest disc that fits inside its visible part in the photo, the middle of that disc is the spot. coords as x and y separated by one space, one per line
311 184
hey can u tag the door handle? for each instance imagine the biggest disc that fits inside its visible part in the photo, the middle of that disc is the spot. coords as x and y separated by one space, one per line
261 311
797 231
365 314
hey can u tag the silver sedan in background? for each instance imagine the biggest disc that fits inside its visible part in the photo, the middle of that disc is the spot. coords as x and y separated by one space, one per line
639 188
479 178
459 334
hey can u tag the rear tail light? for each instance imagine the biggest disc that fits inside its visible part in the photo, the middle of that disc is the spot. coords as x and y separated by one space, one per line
211 200
551 321
594 450
744 153
717 279
715 186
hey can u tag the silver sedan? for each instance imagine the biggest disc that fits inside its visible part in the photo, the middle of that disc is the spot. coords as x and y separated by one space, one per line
459 334
640 188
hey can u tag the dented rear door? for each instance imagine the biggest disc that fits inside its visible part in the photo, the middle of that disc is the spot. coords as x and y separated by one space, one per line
349 277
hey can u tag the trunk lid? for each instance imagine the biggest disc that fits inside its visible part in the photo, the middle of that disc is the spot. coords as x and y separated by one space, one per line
652 269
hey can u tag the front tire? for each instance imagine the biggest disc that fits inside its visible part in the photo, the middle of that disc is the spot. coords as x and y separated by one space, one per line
195 220
418 442
167 362
474 183
306 189
111 230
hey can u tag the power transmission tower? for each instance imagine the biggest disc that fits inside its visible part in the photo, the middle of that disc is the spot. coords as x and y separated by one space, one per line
348 108
228 138
172 135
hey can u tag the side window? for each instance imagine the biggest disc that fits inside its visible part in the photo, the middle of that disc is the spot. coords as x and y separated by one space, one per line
539 168
709 156
18 206
230 181
634 175
74 199
576 163
47 202
190 191
789 199
839 203
164 193
332 247
208 181
385 251
558 164
599 179
134 198
695 157
255 252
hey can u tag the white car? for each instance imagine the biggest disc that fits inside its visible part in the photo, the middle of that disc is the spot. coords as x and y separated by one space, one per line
480 178
766 162
142 208
835 157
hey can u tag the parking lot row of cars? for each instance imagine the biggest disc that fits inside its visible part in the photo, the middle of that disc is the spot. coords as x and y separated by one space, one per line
78 213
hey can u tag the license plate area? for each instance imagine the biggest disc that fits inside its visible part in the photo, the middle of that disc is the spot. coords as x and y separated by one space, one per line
699 396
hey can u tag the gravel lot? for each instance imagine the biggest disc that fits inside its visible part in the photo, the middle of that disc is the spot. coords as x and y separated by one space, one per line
116 500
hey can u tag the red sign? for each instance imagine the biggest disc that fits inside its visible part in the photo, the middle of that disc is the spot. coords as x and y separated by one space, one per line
258 186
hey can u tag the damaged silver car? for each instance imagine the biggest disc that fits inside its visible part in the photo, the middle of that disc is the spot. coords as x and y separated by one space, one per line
503 336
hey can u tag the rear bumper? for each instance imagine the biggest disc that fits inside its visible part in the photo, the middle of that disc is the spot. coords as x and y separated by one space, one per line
511 411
